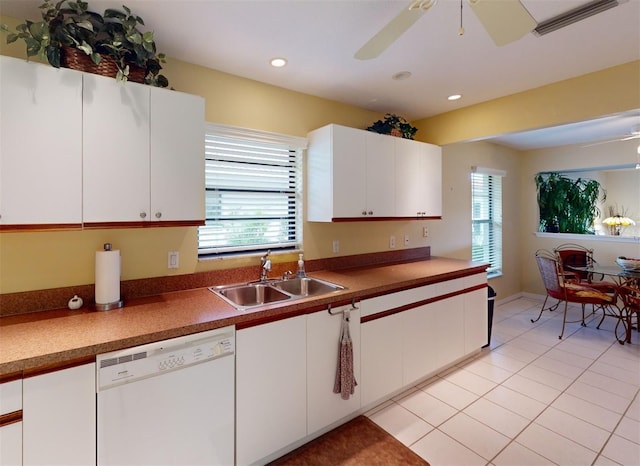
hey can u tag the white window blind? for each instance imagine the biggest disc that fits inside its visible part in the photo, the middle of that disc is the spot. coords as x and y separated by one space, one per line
252 191
486 218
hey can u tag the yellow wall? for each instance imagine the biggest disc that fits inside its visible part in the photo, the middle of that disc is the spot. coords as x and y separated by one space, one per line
604 92
30 261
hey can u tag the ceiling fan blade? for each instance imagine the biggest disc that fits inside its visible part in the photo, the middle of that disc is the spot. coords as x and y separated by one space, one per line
608 141
633 136
505 21
390 33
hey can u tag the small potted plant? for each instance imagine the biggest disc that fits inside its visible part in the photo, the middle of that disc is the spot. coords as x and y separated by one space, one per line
110 44
394 125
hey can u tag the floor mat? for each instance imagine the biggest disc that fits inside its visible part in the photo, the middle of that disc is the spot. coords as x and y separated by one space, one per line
356 443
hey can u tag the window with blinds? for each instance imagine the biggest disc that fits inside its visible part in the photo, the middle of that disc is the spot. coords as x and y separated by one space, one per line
252 191
486 218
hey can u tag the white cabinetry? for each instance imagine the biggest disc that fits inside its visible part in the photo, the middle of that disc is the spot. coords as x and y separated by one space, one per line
357 174
59 417
285 373
418 180
427 328
11 423
475 317
323 332
177 156
40 145
419 346
271 392
143 153
381 350
349 174
115 150
379 168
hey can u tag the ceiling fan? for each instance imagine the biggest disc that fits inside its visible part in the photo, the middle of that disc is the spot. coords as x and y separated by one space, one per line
505 21
633 134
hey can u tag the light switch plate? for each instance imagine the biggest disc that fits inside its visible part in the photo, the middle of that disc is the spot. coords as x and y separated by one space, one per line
173 259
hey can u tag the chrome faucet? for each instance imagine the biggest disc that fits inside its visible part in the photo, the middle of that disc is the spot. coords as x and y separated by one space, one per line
265 267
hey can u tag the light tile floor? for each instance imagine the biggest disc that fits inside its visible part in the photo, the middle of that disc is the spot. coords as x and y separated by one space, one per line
528 399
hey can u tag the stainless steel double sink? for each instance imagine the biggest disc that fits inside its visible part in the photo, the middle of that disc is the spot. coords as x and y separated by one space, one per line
249 295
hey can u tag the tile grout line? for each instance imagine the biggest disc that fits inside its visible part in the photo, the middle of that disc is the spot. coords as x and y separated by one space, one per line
511 338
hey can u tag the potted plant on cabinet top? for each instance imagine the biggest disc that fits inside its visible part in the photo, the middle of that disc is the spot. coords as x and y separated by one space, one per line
394 125
109 44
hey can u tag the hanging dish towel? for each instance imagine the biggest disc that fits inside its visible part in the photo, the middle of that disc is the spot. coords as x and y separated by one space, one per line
345 380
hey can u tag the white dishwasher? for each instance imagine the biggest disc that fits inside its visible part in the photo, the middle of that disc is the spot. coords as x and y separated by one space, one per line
168 403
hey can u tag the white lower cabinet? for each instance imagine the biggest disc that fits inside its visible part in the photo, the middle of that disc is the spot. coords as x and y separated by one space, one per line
285 373
475 320
419 342
449 330
325 407
11 444
59 417
402 348
271 391
381 351
11 423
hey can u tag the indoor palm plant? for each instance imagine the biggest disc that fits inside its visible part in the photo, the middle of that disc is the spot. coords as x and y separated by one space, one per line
567 205
69 35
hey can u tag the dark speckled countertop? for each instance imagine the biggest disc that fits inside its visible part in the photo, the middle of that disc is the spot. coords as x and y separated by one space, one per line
50 337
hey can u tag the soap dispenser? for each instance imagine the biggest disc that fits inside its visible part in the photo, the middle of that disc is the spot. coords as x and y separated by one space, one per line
300 272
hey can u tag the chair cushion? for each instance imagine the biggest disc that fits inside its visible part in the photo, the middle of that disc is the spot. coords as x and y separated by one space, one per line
576 291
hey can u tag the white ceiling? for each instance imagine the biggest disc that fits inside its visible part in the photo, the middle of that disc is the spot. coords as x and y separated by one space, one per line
320 37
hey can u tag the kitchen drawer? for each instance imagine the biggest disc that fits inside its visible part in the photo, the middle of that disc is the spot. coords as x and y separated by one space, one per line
11 396
393 300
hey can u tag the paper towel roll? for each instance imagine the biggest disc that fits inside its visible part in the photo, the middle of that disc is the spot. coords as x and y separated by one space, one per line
107 276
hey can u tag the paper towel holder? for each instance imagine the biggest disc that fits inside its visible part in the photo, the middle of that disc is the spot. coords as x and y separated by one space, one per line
109 306
115 304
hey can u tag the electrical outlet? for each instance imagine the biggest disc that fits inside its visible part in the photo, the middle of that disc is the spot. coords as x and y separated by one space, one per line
173 259
406 240
425 232
336 246
392 241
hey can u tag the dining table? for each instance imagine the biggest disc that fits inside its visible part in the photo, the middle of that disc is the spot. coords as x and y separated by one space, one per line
620 277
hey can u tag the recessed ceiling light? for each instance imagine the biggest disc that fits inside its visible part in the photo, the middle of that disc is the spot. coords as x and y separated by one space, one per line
401 75
454 97
278 62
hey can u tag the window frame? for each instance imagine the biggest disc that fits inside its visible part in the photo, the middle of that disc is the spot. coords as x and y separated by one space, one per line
487 199
217 137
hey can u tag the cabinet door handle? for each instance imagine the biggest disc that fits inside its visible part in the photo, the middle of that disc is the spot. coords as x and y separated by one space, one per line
364 212
158 214
143 215
371 212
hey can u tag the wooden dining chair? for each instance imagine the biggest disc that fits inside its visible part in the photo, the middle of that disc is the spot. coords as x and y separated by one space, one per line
575 255
569 291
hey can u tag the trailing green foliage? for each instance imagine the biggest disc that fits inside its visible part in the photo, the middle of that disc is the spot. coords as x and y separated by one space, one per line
114 34
394 122
567 205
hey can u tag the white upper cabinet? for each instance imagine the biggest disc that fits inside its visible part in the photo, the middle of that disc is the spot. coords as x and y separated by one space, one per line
40 145
143 153
418 179
115 151
336 181
379 169
78 148
356 174
177 156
